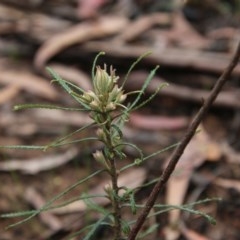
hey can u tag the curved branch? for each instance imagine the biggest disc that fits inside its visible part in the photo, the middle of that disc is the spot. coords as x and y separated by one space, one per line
183 144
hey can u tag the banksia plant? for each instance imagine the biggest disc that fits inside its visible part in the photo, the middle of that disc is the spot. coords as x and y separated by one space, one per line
106 98
105 104
107 107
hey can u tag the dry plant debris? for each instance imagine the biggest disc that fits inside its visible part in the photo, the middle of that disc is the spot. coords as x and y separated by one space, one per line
192 51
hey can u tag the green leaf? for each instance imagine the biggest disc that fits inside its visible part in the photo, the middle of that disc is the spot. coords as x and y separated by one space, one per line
133 203
96 207
65 85
151 97
45 106
125 227
149 230
25 147
149 156
95 227
94 63
133 65
59 142
133 146
48 204
146 83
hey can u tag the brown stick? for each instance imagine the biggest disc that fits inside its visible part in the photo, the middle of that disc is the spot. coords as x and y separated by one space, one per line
181 147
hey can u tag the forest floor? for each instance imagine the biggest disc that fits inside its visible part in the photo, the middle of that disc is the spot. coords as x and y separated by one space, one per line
192 42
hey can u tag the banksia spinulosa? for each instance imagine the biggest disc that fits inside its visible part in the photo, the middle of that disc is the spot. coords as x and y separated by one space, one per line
106 95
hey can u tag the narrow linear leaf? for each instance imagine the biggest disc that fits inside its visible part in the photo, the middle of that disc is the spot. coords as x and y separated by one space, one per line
76 141
93 206
94 63
151 97
149 230
146 83
133 146
50 202
25 147
125 227
133 65
65 85
133 203
45 106
94 228
149 156
58 141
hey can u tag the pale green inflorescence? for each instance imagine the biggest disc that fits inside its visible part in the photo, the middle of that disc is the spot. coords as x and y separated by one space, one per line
105 98
106 95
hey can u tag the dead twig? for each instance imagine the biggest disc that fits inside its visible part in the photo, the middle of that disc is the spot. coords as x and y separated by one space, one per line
185 140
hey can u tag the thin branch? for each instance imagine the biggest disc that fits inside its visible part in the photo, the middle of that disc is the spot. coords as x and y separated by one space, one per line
183 144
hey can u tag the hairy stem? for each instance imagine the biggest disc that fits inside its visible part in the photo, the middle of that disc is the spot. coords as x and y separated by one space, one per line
114 179
183 144
115 202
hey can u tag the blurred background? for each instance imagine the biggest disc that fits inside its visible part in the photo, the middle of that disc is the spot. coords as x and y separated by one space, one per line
192 41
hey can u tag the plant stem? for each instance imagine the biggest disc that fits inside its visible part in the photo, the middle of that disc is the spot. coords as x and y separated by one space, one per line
115 201
114 179
183 144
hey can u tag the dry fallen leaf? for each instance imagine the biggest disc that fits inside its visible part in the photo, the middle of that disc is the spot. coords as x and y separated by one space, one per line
142 24
73 75
102 27
132 178
34 198
157 122
197 151
77 119
183 34
35 121
36 165
8 93
26 80
89 8
192 235
232 156
227 183
137 78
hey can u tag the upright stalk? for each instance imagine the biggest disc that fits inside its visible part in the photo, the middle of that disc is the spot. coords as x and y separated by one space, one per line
115 201
105 99
112 169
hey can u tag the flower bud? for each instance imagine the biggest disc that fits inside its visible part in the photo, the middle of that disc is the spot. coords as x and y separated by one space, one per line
122 98
100 133
103 83
110 107
88 96
98 156
95 105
